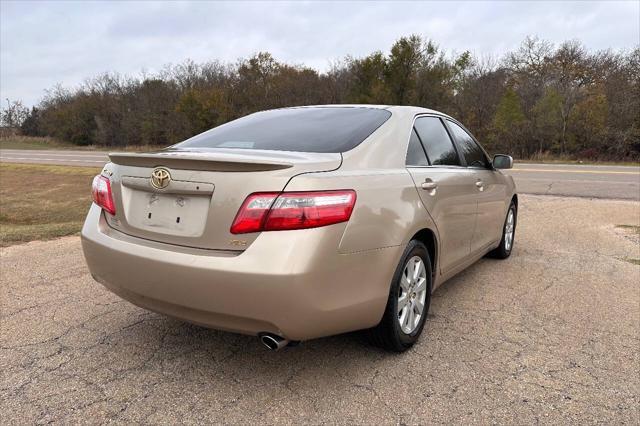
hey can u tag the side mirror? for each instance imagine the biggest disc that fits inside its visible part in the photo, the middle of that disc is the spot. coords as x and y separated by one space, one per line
501 161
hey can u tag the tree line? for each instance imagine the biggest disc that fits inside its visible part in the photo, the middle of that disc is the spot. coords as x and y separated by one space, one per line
540 99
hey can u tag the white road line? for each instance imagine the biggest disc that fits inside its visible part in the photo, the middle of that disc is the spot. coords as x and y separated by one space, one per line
36 155
577 166
52 159
597 172
590 181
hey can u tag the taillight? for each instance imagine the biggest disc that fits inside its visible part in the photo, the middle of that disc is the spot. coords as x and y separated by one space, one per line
274 211
252 213
101 192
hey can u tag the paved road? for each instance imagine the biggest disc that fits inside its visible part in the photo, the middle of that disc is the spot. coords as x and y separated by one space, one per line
577 180
547 179
550 335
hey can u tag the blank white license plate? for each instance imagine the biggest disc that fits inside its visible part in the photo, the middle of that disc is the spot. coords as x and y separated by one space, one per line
183 215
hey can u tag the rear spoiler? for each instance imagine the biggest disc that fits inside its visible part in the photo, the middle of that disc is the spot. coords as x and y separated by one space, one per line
222 162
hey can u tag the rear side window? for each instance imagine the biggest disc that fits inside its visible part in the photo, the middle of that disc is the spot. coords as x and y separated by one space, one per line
472 153
415 153
436 141
335 129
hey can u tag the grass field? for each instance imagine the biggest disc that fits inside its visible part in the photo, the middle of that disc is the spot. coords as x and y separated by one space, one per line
29 142
39 202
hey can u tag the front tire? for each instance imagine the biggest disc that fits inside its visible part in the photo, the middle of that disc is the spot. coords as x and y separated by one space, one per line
508 234
408 302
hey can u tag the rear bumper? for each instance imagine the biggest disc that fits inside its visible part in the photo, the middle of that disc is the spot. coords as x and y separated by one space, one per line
291 283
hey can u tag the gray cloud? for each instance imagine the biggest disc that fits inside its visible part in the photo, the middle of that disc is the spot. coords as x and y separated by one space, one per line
44 43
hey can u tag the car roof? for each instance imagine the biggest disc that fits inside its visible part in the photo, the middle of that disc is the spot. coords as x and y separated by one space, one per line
398 108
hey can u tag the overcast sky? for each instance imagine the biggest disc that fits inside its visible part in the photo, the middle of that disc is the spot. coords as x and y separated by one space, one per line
46 42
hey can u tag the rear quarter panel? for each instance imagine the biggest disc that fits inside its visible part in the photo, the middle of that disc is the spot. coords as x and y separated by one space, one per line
388 210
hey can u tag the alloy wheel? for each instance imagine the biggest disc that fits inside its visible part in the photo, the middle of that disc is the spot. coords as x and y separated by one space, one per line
508 230
412 294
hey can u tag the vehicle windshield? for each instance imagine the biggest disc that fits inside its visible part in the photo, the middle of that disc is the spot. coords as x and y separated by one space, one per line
311 129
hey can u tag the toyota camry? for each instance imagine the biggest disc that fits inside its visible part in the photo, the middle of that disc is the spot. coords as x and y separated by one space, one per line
298 223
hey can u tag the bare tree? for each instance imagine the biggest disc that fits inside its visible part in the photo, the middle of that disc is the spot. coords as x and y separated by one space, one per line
14 114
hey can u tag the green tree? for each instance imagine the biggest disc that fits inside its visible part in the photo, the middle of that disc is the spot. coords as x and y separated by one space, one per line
546 120
570 77
589 125
509 119
368 79
401 68
204 109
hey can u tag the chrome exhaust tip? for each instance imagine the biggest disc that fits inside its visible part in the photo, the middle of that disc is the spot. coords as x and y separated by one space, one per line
273 342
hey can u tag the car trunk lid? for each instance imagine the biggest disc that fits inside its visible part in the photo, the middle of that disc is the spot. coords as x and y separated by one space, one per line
195 202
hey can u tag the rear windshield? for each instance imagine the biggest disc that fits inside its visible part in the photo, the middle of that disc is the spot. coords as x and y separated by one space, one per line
335 129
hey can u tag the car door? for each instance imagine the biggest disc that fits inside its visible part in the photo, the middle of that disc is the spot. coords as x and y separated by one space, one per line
491 189
446 188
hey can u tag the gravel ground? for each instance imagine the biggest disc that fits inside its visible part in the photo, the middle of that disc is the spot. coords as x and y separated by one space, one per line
550 335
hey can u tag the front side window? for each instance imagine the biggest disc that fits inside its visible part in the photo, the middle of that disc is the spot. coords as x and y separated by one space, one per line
472 153
314 129
415 153
436 141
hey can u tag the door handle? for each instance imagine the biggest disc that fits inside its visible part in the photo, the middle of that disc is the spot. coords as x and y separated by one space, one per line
480 184
429 185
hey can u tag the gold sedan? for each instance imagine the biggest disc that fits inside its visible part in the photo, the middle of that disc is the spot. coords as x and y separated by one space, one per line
298 223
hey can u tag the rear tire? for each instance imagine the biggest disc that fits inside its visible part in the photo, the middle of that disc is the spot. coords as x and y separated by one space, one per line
505 248
408 303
